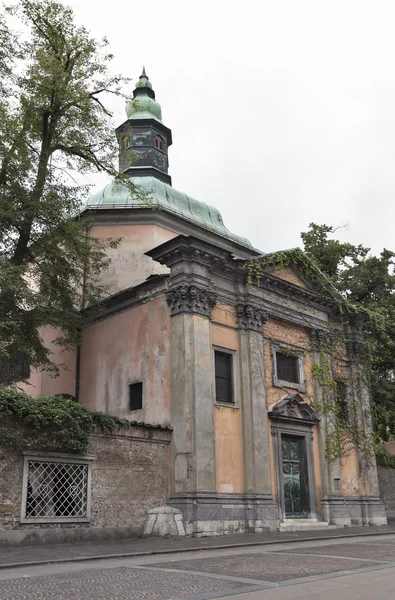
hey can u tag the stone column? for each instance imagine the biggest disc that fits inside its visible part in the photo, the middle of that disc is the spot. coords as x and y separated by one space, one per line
256 437
193 457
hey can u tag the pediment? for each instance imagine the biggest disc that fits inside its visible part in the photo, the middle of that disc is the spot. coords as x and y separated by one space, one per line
293 407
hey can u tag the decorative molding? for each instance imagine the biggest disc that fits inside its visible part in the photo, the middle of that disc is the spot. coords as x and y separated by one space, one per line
251 318
274 431
293 408
191 299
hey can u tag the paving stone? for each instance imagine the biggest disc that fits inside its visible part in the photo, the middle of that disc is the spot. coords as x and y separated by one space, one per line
113 584
269 566
358 550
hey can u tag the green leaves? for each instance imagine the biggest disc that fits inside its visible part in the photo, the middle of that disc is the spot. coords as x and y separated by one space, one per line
56 129
367 284
52 424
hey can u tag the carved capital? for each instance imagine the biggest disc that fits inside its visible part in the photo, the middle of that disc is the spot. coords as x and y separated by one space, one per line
321 339
250 318
191 299
274 431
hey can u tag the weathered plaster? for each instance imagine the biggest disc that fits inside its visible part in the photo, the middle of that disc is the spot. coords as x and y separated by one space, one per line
129 265
228 450
42 383
132 346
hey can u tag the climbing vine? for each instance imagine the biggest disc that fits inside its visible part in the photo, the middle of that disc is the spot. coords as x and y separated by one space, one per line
343 435
52 424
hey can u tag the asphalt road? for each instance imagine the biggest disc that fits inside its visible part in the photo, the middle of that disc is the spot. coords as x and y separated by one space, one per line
361 568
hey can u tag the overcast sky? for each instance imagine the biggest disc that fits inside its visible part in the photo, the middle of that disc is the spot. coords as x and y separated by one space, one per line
282 111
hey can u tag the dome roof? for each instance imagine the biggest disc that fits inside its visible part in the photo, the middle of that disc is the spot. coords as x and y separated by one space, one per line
161 195
144 105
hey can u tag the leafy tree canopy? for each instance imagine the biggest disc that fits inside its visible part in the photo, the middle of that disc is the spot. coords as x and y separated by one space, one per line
367 281
55 128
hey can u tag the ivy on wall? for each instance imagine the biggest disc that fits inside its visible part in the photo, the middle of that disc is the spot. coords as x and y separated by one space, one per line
52 424
342 438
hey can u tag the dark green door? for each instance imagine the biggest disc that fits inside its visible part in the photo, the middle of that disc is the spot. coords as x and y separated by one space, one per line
296 489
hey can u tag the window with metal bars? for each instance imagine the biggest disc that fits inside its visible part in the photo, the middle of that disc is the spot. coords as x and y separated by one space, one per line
136 396
342 402
55 491
223 377
15 369
287 367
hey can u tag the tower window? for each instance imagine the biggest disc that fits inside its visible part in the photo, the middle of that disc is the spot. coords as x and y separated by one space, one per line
136 396
124 142
159 142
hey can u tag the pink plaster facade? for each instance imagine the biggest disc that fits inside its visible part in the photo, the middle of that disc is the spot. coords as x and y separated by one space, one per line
42 383
129 347
129 266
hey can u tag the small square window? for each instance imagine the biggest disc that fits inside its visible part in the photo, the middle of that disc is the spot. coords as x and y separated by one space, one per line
287 367
136 396
223 377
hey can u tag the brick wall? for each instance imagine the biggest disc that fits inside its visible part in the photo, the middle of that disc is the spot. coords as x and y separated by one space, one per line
129 477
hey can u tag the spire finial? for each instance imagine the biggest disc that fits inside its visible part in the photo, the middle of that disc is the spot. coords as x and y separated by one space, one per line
144 73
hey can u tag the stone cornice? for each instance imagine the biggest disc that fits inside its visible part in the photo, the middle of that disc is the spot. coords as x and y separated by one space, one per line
268 281
190 299
127 299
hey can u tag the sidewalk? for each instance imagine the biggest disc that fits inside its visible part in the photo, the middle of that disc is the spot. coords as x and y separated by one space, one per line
57 553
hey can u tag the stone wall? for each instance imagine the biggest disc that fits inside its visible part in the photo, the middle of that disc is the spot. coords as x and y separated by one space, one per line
387 487
129 477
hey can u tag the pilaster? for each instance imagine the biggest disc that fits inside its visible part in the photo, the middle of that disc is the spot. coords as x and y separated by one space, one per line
253 392
193 457
330 472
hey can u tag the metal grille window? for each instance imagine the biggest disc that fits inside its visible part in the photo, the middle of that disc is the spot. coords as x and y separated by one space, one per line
55 490
287 367
223 377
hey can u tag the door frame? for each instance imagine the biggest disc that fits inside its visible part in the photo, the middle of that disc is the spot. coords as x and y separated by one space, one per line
301 430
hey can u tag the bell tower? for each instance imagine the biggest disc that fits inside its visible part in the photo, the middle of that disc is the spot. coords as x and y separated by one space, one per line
143 139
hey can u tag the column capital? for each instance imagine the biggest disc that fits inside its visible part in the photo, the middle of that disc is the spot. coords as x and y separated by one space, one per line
250 317
321 339
191 299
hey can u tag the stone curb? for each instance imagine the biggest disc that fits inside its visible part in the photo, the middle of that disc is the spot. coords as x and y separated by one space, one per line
179 550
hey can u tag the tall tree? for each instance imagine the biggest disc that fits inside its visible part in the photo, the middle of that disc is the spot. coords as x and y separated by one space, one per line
55 127
367 281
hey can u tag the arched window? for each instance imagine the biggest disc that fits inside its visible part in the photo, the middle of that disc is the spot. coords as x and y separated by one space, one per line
124 142
158 142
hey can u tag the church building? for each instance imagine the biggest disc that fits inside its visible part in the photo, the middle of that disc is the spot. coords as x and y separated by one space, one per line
195 338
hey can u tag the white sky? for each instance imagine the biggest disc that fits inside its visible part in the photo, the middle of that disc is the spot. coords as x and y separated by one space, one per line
282 111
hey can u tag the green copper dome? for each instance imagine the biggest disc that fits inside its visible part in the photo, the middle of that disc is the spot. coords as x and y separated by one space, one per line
163 196
144 105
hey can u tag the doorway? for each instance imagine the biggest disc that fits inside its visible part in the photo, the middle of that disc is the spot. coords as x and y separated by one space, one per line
295 477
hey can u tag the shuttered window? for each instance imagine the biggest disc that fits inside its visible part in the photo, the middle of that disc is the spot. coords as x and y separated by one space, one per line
287 367
223 377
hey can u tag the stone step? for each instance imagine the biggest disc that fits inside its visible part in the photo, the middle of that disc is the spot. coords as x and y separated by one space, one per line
305 525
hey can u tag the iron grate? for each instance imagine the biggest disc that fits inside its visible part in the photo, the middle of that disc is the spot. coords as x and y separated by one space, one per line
56 490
